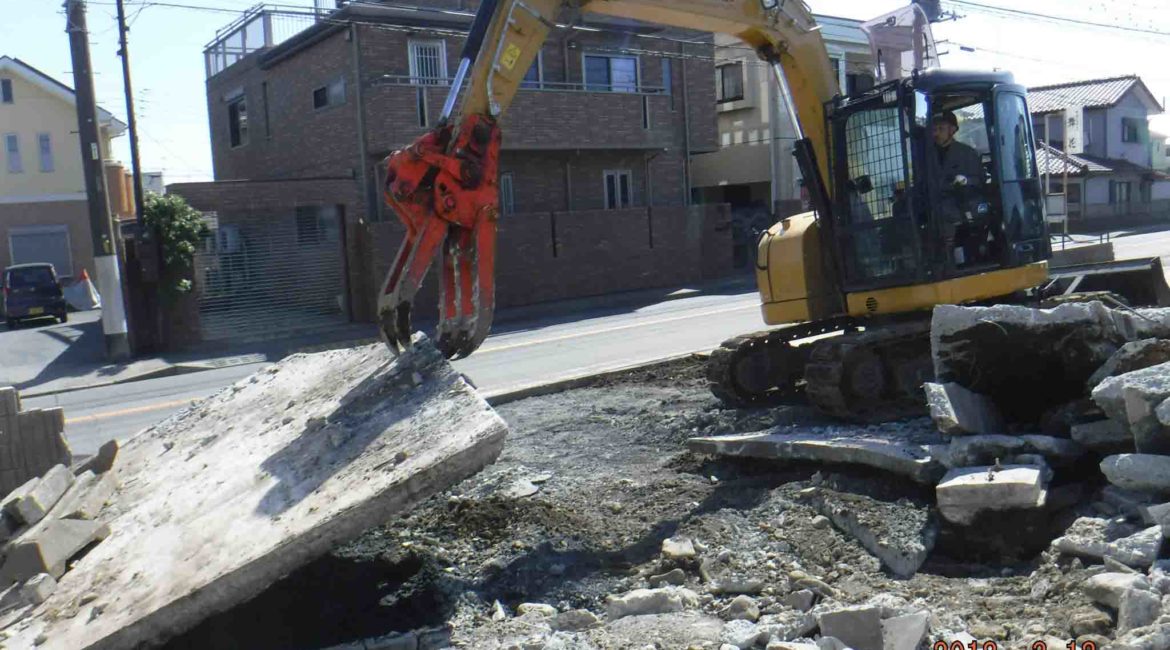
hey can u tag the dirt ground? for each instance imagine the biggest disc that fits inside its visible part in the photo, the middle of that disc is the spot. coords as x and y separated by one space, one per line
590 483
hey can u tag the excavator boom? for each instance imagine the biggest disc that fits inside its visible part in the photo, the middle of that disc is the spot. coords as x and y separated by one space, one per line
444 186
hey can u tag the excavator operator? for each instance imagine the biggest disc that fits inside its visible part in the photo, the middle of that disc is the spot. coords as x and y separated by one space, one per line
961 171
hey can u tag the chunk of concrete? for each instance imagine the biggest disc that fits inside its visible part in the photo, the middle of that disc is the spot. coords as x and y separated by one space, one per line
900 534
859 627
905 632
1142 472
966 492
884 447
957 411
1158 515
101 462
1132 399
1105 436
38 496
1107 588
801 600
1091 537
1137 550
678 548
200 526
740 634
86 498
575 620
48 547
1151 637
651 601
1132 356
1137 608
971 451
741 608
38 588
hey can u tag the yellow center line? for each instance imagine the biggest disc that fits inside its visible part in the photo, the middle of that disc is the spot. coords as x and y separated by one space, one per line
130 411
617 328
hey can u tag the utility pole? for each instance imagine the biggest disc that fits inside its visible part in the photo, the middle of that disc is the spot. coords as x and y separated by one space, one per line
105 254
136 168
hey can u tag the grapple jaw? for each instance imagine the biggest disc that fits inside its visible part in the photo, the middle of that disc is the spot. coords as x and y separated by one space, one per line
443 188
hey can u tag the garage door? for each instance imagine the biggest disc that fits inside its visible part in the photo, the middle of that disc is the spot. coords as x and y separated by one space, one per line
271 275
39 244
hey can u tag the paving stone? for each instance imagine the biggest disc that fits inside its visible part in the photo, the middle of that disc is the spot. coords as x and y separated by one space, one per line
1137 608
1107 588
39 496
965 492
48 547
859 628
1107 436
224 520
957 411
905 632
881 447
651 601
86 498
1143 472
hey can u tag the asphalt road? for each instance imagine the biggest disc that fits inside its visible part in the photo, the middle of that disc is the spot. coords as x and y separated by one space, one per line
525 354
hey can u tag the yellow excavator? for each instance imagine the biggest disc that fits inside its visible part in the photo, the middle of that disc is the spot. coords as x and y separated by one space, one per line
890 235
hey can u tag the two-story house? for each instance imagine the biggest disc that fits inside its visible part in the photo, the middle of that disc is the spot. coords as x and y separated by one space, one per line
43 210
594 173
1111 179
754 170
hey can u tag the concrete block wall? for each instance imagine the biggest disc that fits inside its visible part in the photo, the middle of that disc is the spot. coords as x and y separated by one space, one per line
31 441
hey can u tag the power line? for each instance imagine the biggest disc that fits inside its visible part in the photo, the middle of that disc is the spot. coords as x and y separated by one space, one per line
1062 19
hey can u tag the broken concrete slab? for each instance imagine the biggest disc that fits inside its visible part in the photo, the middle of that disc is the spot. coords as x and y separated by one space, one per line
38 588
86 498
970 451
859 628
965 492
1008 352
900 534
957 411
1090 537
1158 515
1132 399
1142 472
1107 588
228 497
1104 436
1137 550
909 450
1132 356
35 498
47 548
1137 608
905 632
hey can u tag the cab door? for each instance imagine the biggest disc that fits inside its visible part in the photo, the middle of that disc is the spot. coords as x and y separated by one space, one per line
1014 171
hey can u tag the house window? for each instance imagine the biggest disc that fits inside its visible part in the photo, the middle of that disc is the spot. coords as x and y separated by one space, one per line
331 95
1119 192
618 74
6 91
1130 131
729 82
12 148
507 197
535 75
618 190
857 83
318 223
428 63
45 145
238 122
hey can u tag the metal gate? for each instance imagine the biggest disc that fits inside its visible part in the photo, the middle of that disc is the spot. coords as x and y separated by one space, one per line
271 275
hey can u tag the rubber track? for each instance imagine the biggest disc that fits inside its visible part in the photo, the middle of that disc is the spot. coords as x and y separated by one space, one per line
720 375
824 374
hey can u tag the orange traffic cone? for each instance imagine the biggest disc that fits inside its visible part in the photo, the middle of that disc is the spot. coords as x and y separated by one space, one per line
84 276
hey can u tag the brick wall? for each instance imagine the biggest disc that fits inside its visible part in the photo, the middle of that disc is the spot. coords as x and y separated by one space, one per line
593 252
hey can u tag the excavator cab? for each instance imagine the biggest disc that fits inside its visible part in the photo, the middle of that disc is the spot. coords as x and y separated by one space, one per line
934 177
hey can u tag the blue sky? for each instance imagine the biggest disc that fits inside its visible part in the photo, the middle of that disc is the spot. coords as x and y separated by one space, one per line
166 45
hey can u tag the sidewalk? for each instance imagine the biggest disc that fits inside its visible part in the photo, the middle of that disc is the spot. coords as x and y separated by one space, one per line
61 358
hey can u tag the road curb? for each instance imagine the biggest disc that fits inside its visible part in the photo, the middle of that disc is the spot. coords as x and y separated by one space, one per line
576 381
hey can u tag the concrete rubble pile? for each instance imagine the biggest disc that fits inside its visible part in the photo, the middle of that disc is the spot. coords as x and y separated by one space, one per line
210 507
32 441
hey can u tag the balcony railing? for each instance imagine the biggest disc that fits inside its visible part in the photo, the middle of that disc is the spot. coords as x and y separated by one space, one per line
257 28
558 86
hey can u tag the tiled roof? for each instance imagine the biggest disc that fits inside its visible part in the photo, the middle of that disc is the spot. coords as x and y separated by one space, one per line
1053 161
1093 93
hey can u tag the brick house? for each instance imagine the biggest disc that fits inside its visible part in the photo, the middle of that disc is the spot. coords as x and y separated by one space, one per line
596 144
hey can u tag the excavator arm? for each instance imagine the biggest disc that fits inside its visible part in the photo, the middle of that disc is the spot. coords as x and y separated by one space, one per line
444 186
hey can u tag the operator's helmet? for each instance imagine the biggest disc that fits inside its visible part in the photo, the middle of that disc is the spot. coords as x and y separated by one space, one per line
946 117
